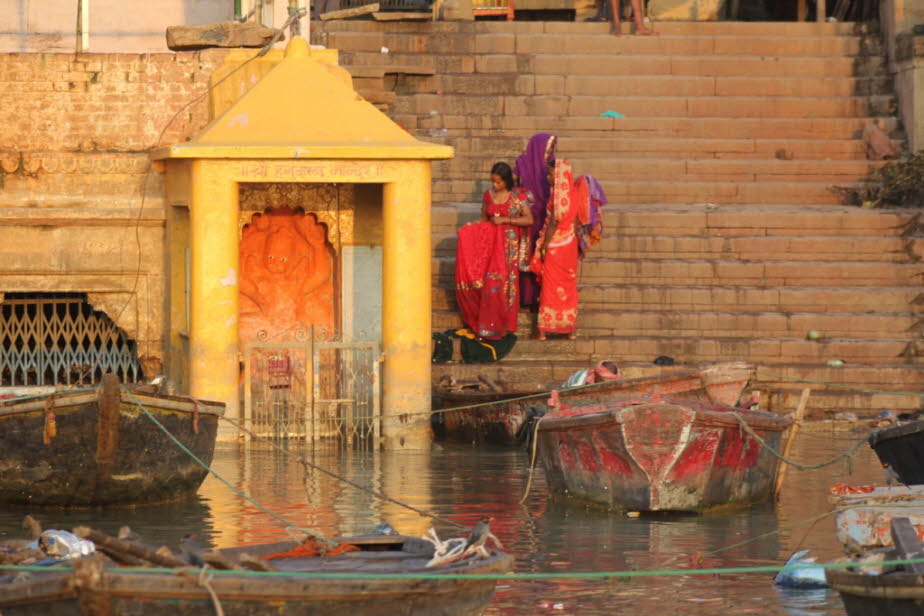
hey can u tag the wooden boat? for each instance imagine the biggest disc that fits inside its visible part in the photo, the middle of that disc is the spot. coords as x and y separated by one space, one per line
863 514
90 589
646 453
896 591
902 447
93 448
498 417
892 594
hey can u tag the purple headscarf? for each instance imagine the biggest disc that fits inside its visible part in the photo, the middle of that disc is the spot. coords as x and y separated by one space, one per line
533 172
532 167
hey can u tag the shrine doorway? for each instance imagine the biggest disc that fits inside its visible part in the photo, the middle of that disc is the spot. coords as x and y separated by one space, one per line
310 298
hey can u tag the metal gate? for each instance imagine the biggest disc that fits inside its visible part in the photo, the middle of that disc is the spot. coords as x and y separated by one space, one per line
317 391
61 341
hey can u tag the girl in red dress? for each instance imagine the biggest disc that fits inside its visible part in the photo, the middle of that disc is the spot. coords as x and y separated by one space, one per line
489 255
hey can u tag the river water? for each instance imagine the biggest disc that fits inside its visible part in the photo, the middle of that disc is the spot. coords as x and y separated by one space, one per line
462 483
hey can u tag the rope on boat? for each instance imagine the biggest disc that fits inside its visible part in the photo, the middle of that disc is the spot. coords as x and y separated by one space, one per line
846 454
551 575
532 461
310 533
378 494
205 580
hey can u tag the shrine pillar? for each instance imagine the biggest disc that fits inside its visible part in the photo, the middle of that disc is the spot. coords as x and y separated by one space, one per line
213 327
406 290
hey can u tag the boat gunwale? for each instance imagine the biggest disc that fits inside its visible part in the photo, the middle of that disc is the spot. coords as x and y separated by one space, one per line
888 433
895 585
64 399
600 386
238 586
714 417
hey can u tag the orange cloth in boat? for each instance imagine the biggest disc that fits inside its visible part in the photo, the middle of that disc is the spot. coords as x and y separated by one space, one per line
312 547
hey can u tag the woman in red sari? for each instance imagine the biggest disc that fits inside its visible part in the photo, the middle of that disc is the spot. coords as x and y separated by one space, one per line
489 255
555 261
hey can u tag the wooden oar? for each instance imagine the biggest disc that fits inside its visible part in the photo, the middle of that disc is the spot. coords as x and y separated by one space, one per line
790 440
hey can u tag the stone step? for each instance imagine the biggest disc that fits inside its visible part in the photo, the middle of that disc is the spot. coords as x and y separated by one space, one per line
726 28
686 324
708 64
743 299
652 107
511 65
730 273
652 85
807 251
665 220
639 348
465 125
510 147
679 169
692 192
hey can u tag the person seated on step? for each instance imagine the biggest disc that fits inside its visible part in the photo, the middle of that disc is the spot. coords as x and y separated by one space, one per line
489 256
612 7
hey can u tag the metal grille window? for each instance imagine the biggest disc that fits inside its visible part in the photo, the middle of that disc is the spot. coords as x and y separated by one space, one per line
59 339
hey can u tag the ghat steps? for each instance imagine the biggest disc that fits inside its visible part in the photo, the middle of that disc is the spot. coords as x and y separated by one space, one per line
724 239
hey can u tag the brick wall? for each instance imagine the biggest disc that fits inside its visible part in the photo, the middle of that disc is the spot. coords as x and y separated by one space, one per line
78 200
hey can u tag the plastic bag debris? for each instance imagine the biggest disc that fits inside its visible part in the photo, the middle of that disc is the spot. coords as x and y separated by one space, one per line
62 544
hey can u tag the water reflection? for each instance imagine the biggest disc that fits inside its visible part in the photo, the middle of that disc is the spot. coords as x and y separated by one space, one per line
462 483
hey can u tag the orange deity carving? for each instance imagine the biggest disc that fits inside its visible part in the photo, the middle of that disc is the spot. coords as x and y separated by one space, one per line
286 276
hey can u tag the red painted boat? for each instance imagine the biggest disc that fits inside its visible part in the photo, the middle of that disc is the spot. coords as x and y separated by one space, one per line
498 417
660 454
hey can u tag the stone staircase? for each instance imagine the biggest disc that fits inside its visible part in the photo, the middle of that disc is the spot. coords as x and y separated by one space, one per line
724 240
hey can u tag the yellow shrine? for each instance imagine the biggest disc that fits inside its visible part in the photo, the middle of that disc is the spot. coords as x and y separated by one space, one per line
284 123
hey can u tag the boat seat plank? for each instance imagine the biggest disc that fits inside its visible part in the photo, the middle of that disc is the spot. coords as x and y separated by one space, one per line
905 538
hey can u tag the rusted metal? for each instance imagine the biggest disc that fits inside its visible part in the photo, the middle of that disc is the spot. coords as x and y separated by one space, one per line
637 454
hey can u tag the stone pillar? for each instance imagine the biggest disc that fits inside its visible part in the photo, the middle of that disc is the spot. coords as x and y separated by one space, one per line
406 293
213 335
909 87
905 52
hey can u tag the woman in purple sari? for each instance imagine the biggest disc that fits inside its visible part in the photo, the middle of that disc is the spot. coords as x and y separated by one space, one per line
531 171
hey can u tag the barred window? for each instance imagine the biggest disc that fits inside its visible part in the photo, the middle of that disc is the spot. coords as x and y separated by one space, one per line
59 339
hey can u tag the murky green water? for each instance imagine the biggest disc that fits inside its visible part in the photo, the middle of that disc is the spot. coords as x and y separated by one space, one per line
462 483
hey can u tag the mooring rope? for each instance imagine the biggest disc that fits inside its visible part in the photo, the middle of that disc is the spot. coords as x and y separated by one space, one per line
532 461
377 493
847 453
247 497
512 576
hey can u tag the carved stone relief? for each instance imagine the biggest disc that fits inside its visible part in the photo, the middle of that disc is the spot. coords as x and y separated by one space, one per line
287 276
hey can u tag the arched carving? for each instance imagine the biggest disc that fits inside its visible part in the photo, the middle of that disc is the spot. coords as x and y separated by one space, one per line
287 276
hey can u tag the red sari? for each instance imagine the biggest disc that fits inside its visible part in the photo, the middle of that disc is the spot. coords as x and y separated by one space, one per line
556 264
488 260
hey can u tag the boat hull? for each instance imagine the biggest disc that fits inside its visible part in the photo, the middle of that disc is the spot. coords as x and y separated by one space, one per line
902 448
641 454
98 448
499 417
892 594
288 592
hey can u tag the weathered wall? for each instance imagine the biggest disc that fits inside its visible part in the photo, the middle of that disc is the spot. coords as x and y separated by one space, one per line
906 62
115 25
81 209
